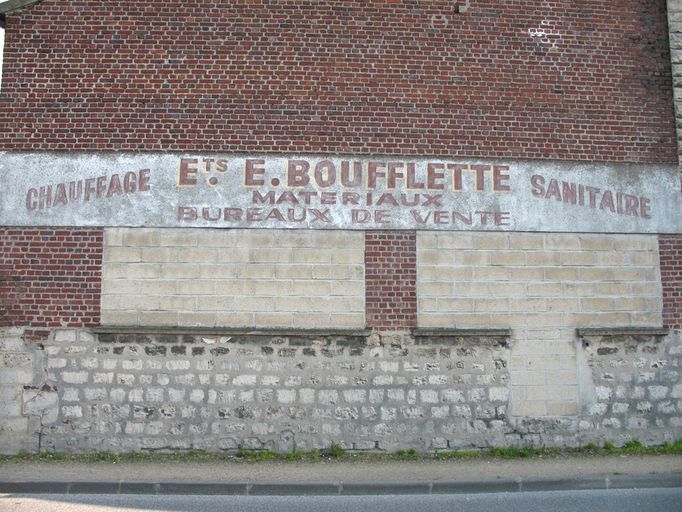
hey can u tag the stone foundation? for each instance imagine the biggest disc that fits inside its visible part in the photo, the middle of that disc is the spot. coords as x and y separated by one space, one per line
129 390
631 383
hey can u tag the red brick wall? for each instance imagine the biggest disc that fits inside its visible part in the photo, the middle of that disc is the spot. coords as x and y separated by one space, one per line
390 77
391 280
50 277
670 250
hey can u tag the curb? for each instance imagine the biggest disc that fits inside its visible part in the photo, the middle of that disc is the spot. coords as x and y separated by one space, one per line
339 488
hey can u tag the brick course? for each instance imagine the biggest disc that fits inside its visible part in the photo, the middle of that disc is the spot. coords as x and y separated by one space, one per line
50 278
670 250
508 79
391 279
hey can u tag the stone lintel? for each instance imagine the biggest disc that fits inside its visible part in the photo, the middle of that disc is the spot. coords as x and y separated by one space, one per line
450 332
226 331
616 332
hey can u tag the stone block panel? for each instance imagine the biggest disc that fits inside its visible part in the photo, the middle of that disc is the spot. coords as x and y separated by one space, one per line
543 287
236 278
474 280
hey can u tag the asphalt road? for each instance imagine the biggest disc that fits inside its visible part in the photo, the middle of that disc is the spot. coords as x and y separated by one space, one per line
623 500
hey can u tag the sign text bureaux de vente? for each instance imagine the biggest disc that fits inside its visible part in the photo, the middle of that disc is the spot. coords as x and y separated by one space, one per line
336 192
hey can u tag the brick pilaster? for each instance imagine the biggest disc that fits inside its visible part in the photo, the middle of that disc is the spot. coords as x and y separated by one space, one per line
50 277
670 253
391 280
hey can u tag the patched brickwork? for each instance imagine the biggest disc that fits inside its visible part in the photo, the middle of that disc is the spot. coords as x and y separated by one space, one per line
507 79
670 250
50 278
391 279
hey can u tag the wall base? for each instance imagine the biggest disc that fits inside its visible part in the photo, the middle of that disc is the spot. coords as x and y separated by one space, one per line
442 390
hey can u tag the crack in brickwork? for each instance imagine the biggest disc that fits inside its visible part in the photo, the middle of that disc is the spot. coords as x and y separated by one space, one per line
50 278
391 280
670 253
